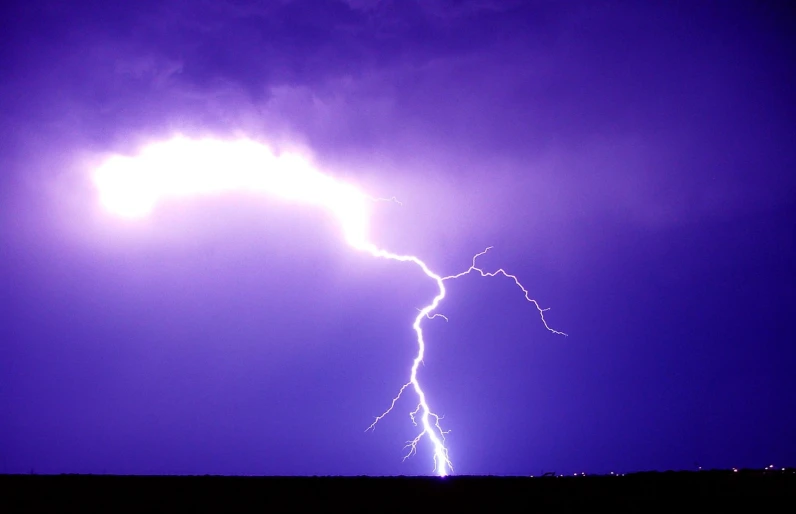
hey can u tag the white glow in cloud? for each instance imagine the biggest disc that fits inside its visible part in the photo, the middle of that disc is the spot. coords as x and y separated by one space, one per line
133 186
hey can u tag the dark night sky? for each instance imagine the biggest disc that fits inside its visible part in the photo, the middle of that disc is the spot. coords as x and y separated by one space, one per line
631 162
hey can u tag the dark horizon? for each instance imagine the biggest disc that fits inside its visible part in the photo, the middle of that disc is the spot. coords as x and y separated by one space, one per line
632 163
618 494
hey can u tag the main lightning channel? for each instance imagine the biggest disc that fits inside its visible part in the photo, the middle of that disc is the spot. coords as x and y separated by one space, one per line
132 186
442 463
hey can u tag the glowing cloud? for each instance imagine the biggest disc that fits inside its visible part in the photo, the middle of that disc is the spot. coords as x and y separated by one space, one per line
133 186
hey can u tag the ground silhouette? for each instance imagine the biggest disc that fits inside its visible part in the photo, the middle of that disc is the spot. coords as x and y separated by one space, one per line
634 492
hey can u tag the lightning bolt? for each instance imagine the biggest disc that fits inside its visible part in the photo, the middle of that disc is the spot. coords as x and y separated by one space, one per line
133 186
442 463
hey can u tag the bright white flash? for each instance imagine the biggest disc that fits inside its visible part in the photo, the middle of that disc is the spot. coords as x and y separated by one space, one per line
133 186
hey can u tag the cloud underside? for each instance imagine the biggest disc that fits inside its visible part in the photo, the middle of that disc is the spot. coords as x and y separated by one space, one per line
532 103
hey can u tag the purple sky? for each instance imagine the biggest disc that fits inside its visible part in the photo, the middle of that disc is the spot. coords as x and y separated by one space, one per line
631 162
